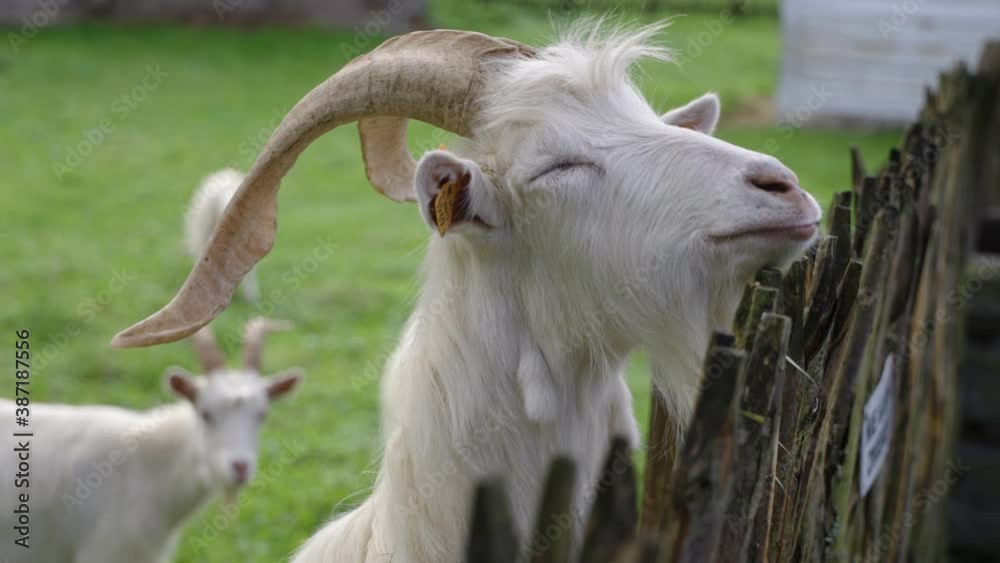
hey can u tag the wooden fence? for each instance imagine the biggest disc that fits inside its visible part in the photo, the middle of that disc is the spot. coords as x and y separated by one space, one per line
853 352
975 505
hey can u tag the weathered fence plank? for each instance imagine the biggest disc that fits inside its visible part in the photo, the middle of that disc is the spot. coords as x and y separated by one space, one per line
746 524
614 516
763 300
707 461
857 171
492 538
661 456
548 546
821 296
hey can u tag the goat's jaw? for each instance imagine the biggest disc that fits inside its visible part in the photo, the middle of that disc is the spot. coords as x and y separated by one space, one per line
797 233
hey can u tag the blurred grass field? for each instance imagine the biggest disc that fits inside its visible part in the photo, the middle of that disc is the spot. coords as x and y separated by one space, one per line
115 214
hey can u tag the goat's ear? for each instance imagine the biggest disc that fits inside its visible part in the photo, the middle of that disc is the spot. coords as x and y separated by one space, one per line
181 382
283 383
453 192
701 114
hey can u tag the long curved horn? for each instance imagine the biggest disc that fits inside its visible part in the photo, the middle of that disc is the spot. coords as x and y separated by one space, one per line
256 329
388 163
433 76
207 350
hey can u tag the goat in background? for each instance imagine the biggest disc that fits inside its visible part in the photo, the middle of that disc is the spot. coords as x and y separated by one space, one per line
112 485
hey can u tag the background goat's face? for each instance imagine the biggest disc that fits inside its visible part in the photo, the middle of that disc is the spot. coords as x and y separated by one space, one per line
648 211
231 406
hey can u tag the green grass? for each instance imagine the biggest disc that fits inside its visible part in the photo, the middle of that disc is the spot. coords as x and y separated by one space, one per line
120 210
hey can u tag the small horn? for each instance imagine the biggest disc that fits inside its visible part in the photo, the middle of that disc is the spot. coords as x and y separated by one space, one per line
256 329
208 352
438 77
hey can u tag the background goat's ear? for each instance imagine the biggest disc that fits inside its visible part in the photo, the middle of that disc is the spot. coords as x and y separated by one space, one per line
283 383
181 382
701 114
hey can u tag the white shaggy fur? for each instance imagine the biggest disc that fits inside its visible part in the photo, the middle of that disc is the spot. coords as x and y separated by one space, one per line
111 485
601 228
204 212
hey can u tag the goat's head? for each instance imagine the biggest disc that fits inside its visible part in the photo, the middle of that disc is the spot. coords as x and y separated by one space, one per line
232 403
573 174
570 170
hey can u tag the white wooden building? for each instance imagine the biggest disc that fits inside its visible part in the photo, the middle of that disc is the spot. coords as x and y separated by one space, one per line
870 60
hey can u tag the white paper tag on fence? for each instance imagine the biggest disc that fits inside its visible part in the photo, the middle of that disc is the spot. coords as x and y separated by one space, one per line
876 431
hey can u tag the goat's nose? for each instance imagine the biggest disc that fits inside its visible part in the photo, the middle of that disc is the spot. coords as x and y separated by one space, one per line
773 178
241 470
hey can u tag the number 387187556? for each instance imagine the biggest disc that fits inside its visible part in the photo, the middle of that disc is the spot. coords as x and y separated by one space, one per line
22 365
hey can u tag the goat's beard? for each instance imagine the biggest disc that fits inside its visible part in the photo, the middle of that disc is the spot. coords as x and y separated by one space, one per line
677 394
677 352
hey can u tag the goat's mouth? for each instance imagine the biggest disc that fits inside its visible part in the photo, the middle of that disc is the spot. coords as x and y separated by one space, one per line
461 214
797 233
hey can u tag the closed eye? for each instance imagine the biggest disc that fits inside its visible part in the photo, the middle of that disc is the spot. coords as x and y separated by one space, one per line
562 166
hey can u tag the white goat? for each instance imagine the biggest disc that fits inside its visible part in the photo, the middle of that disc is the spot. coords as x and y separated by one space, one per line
584 226
207 205
110 485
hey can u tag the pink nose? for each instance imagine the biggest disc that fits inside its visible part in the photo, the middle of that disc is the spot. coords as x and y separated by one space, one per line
773 186
774 178
241 470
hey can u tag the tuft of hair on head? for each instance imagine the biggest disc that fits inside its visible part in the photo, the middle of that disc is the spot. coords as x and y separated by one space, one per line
592 57
609 49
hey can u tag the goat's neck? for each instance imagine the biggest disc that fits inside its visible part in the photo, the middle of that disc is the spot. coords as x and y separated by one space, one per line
476 390
498 320
581 334
173 454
